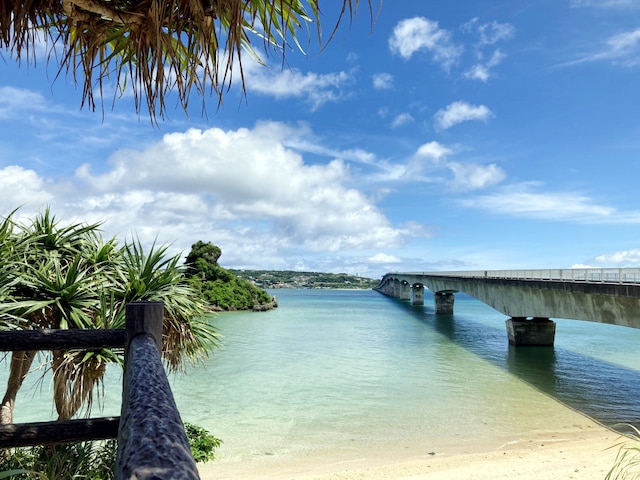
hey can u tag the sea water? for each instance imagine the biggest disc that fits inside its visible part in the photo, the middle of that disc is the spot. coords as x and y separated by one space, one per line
345 370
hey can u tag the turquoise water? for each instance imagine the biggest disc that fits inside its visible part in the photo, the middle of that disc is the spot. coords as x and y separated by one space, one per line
343 370
339 369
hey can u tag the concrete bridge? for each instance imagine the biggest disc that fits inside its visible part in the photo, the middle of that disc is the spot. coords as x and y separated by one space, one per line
530 297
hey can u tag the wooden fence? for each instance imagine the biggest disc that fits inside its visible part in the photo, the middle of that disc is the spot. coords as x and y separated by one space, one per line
152 443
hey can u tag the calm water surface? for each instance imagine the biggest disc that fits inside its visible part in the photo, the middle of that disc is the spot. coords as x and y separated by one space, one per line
334 369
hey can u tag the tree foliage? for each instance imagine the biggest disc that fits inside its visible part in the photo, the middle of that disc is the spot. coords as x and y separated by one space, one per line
67 276
87 460
298 279
157 46
94 460
219 286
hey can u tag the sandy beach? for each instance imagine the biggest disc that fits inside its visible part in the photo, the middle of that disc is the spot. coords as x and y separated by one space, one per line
586 455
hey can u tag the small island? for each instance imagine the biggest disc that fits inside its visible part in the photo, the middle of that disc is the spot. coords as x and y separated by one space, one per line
219 287
227 289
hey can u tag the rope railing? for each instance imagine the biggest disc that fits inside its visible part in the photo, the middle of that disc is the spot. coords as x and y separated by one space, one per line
152 443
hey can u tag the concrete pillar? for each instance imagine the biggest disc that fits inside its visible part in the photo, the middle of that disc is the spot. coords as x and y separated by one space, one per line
538 331
405 291
396 288
417 295
444 303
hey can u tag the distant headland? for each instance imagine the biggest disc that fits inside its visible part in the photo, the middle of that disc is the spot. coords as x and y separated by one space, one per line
271 279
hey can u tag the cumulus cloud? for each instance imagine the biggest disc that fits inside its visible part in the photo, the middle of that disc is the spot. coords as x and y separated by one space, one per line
402 119
415 34
471 176
384 258
433 160
315 88
433 150
459 112
621 259
382 81
244 182
22 187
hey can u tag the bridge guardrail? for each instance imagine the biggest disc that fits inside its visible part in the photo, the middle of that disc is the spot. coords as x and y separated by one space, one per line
600 275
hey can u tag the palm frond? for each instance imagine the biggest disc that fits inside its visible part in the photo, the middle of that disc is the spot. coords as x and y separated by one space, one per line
158 46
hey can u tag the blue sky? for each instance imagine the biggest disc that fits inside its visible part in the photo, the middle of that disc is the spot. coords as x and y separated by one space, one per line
460 135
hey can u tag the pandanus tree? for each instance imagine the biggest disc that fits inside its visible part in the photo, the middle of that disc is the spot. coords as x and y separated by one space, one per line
68 277
158 46
65 277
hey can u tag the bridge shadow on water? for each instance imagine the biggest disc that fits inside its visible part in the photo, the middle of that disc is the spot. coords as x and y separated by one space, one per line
606 392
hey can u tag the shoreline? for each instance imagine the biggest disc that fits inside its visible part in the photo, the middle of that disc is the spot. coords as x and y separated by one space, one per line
584 454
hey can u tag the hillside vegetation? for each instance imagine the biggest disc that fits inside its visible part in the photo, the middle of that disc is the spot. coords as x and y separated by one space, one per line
295 279
220 287
228 289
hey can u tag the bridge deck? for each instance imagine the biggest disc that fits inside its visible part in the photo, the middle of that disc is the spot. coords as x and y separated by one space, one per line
601 275
604 295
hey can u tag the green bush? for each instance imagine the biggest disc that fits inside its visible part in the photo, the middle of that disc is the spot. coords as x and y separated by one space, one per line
202 443
86 460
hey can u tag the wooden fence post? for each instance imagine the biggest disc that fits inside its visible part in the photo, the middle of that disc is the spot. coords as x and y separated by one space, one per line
152 443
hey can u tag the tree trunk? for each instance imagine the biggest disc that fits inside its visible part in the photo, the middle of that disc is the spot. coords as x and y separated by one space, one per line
20 365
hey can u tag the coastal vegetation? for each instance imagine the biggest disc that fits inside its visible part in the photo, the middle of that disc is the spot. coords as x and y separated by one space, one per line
627 462
93 460
297 279
70 277
219 287
55 276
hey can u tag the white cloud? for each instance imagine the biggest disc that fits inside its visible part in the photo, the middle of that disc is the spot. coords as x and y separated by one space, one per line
384 258
459 112
17 101
402 119
621 259
493 32
432 159
529 201
415 34
604 3
316 89
478 72
240 186
488 34
382 81
433 150
22 188
622 49
471 176
482 71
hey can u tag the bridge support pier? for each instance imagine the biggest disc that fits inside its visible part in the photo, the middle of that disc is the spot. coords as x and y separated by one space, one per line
538 331
417 292
444 303
405 291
